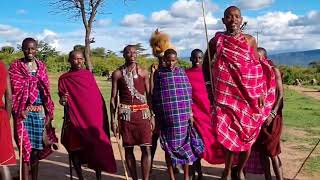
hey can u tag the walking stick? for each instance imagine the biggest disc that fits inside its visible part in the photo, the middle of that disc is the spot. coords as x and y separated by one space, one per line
65 111
70 167
294 177
122 159
208 47
21 156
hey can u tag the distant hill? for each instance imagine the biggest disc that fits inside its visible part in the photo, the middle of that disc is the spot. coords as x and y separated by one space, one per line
302 58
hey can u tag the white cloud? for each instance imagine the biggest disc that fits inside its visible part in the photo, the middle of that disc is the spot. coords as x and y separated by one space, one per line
164 17
11 35
276 32
103 22
190 8
49 37
133 20
312 18
21 11
254 4
180 7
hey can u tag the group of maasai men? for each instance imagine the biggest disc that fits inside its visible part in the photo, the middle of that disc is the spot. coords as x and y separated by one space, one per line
222 109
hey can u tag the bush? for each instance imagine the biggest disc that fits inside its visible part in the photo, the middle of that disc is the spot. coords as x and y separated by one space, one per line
58 63
8 58
291 73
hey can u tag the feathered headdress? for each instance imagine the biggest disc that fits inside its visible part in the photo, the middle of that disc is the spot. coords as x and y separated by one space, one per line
159 43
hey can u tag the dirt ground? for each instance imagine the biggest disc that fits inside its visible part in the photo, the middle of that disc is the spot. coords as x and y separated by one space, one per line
56 167
313 93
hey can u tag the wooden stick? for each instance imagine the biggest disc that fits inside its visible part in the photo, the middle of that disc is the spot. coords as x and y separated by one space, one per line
21 156
122 159
294 177
207 38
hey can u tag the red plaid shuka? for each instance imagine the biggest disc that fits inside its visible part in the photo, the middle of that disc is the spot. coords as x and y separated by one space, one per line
239 80
25 87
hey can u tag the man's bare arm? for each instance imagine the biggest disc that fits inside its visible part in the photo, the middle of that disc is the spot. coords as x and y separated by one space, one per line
114 98
8 97
147 83
279 89
153 70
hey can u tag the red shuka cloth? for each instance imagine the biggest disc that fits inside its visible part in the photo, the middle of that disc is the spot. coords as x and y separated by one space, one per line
88 115
7 156
213 152
268 142
239 80
26 87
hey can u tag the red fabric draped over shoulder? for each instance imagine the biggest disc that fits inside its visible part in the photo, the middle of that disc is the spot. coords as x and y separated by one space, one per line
239 81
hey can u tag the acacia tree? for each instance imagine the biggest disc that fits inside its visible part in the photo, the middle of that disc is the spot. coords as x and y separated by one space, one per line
7 49
87 11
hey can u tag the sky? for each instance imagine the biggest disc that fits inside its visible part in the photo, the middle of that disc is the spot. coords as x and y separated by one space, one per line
281 25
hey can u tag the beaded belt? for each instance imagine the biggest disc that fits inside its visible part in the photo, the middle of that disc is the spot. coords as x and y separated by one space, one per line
36 108
124 111
134 107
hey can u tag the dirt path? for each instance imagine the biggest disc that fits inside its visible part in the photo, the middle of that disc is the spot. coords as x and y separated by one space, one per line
313 93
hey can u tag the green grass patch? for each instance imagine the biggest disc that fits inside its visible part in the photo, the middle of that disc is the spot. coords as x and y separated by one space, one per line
301 111
313 164
288 137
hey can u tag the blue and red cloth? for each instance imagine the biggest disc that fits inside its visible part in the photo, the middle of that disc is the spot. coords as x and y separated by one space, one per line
172 98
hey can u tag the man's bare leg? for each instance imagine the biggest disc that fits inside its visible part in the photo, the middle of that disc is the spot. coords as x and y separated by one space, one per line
25 171
186 175
170 167
197 168
77 164
277 167
243 158
131 162
145 162
34 163
4 173
98 174
266 166
226 175
155 137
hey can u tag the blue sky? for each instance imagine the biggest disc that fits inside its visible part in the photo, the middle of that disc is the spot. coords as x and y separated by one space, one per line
284 25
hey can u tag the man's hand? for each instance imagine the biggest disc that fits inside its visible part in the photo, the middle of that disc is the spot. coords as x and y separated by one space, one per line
49 123
115 129
261 101
191 120
152 123
268 121
154 67
63 99
24 114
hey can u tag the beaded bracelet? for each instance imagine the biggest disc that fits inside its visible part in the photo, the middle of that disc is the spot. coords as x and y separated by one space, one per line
273 114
